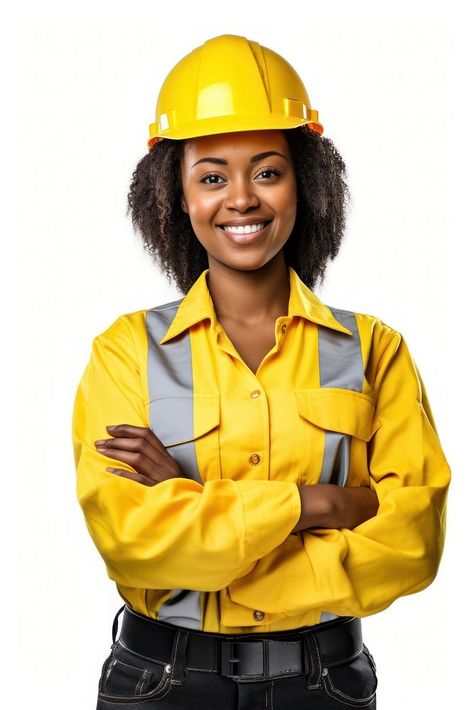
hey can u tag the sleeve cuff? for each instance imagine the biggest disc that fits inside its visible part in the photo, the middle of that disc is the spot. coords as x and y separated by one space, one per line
271 511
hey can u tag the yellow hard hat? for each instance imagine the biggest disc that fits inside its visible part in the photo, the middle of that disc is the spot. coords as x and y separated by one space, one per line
230 84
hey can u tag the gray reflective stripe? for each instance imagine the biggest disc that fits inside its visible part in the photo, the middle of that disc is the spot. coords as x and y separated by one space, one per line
170 386
340 365
340 356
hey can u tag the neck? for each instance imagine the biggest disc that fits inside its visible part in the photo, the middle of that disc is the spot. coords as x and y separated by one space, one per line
250 297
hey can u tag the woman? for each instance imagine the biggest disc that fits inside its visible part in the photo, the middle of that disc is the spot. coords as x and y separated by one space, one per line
257 469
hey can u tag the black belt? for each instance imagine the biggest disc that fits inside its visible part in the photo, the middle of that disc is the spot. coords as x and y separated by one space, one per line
255 656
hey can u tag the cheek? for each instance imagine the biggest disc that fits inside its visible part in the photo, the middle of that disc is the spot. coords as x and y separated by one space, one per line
287 204
201 207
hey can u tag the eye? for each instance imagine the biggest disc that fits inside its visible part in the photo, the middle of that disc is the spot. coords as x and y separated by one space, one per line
269 170
206 177
215 175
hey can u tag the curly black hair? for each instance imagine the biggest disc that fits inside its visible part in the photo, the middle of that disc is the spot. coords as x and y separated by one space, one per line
154 201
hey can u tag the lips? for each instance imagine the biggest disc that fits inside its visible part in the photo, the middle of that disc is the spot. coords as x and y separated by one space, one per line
244 224
242 238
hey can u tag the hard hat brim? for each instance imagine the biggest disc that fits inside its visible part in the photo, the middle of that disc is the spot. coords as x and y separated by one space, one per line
231 124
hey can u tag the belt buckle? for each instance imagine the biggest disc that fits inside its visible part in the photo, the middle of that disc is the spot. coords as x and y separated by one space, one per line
229 656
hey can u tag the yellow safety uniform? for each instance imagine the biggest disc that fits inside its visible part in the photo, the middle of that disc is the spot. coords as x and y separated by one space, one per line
224 532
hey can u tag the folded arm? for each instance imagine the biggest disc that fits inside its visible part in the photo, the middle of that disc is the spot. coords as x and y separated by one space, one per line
361 571
178 533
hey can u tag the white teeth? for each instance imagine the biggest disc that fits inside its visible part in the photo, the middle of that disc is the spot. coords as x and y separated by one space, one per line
244 229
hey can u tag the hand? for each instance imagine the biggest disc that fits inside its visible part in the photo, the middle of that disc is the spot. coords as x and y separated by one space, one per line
330 506
141 449
353 505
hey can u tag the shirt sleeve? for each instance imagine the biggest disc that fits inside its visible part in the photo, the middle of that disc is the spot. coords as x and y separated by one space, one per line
178 533
360 571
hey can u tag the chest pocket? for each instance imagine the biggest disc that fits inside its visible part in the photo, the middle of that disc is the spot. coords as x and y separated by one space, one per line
188 426
336 425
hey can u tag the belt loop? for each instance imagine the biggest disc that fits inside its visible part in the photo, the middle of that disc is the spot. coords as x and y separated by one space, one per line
115 624
313 660
178 656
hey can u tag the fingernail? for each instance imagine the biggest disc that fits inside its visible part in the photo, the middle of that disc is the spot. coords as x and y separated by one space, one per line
111 426
99 442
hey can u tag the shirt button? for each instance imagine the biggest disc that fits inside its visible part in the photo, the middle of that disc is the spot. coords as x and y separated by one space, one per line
259 615
283 329
255 393
254 459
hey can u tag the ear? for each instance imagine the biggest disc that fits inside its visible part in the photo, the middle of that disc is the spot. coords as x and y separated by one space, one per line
184 205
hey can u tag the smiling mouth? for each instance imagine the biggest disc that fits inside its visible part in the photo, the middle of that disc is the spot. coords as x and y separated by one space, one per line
245 229
245 236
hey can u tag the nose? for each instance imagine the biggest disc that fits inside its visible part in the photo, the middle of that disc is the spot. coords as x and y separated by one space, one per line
241 196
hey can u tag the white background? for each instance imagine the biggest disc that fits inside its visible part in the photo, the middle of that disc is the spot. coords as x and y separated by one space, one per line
80 82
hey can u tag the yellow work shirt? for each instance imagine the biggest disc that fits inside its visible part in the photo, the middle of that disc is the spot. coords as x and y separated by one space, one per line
230 536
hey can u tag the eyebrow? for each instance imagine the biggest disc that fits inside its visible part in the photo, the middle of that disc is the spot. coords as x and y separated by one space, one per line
253 159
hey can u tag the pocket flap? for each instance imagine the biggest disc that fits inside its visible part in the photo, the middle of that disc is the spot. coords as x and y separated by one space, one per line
337 409
176 420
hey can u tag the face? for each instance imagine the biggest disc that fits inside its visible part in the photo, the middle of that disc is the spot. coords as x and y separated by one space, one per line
234 179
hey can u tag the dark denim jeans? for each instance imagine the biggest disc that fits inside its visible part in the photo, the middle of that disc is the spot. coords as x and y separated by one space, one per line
129 680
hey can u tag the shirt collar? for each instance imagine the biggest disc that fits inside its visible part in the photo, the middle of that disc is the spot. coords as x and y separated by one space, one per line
197 305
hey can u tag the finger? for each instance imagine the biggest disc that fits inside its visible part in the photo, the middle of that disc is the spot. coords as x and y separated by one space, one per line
132 476
126 429
144 466
131 431
136 459
135 444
